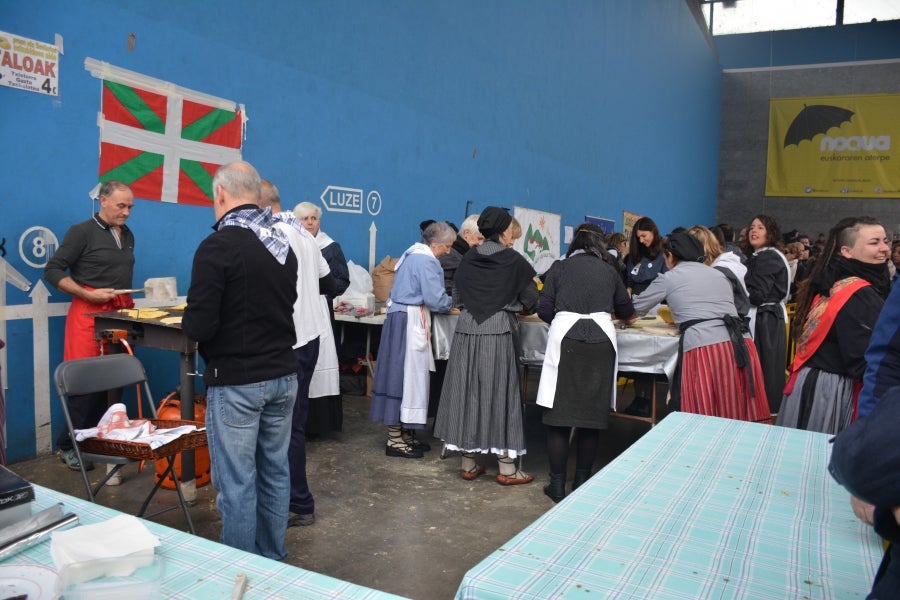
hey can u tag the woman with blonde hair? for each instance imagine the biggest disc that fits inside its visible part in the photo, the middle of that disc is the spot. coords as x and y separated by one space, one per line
727 262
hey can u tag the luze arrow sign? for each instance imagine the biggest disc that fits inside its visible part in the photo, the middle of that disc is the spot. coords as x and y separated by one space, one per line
342 199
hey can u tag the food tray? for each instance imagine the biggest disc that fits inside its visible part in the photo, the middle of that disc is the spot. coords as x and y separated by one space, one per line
139 451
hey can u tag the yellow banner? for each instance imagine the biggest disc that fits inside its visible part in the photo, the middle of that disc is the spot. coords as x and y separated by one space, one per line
834 146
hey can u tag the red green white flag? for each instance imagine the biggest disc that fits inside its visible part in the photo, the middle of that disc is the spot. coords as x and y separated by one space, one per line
164 141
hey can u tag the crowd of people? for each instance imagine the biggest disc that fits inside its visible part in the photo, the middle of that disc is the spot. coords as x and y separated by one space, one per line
259 307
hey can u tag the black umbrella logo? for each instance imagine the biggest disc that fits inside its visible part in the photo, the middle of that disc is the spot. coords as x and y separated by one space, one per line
813 120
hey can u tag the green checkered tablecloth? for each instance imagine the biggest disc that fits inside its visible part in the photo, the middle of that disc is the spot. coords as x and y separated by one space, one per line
198 568
699 507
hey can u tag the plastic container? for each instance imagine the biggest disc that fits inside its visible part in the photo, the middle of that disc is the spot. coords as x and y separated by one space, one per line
112 579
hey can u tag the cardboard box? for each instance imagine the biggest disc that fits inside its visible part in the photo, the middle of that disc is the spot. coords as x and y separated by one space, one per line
16 496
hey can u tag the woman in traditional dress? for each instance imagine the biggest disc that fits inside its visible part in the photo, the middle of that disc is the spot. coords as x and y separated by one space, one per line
326 410
836 312
481 405
719 373
768 285
578 377
400 387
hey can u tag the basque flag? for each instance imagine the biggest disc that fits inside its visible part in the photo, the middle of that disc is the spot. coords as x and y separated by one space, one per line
164 141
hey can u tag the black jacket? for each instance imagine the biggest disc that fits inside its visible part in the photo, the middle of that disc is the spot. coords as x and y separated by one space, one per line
239 309
866 460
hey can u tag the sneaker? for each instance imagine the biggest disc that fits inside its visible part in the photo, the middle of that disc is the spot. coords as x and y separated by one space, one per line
295 519
116 479
70 458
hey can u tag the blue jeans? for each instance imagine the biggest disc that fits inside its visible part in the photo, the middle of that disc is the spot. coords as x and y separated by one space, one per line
249 428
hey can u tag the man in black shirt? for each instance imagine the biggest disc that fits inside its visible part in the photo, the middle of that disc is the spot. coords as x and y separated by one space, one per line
96 257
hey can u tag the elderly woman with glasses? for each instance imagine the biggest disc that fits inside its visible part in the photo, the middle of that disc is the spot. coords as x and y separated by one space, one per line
400 387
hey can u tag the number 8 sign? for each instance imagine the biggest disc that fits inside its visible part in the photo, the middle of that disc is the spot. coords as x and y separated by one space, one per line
37 245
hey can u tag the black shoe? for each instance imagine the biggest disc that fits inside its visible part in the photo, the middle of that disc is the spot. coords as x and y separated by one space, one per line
403 452
415 443
295 519
639 407
556 490
581 475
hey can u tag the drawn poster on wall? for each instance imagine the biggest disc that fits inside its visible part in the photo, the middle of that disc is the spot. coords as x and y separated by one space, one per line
606 225
628 221
539 243
834 146
166 142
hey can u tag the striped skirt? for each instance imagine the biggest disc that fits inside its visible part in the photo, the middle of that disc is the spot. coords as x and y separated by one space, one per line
820 401
712 384
481 405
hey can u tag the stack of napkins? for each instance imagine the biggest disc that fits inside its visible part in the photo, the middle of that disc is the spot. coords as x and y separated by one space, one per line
115 425
113 548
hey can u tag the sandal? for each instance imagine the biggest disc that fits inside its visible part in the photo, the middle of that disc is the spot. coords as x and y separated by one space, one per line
472 474
517 478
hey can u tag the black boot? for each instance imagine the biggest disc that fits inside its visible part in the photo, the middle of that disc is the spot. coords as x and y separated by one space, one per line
581 475
556 490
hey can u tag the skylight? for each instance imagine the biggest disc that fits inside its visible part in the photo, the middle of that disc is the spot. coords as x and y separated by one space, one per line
746 16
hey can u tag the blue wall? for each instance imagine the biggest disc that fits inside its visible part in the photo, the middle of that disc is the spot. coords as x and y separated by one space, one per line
578 108
816 45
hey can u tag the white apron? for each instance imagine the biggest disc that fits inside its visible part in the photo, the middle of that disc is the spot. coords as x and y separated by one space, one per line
326 378
561 324
417 364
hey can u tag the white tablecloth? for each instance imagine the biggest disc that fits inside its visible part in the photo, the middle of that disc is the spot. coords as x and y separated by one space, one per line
652 347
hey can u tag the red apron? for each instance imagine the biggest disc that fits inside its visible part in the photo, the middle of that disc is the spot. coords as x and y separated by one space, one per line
80 341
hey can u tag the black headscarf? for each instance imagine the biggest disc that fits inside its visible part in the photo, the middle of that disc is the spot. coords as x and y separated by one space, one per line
684 246
493 221
488 282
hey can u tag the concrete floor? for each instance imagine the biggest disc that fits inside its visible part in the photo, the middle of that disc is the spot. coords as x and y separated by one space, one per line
405 526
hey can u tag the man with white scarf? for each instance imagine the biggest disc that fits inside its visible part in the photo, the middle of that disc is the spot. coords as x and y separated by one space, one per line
325 403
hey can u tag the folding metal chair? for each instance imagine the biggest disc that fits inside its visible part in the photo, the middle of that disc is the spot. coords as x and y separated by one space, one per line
113 371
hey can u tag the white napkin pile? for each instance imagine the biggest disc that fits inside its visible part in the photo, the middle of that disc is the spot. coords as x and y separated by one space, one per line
115 425
113 548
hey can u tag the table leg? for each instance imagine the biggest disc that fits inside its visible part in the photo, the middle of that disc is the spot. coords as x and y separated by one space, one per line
189 483
369 352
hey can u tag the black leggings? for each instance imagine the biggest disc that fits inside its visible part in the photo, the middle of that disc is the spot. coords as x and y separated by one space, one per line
587 441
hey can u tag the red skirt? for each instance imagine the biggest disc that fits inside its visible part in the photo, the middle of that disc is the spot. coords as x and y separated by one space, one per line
712 384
